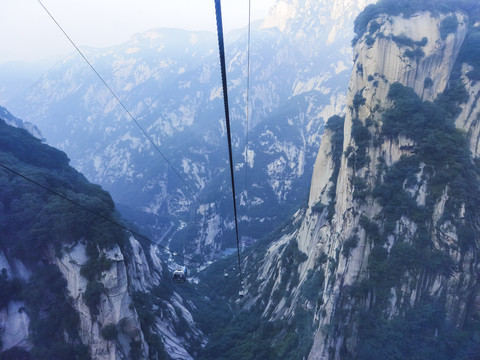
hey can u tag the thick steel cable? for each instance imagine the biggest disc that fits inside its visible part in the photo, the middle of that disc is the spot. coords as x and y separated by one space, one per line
221 47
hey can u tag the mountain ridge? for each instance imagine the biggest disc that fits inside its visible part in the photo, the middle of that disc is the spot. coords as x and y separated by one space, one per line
178 103
75 285
381 262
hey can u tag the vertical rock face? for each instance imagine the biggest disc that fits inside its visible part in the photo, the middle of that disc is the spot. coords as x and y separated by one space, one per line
125 277
387 233
115 304
13 321
377 66
14 326
72 286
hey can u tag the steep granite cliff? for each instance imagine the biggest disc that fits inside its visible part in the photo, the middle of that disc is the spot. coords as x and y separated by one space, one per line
387 260
74 285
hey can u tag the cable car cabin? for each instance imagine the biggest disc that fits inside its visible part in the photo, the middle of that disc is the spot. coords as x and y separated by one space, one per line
180 275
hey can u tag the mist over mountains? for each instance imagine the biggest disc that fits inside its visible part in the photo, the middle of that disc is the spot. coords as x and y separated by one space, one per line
169 80
358 192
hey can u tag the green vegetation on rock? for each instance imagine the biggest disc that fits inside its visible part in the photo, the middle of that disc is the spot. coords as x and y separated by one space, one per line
33 221
440 157
407 8
335 124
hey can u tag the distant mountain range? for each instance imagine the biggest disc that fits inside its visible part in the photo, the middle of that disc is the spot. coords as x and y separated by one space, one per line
380 258
170 81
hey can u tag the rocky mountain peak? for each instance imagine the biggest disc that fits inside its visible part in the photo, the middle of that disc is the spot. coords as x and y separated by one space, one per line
329 20
379 216
396 54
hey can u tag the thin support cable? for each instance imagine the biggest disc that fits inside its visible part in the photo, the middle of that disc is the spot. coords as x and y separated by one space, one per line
221 47
56 193
247 102
118 99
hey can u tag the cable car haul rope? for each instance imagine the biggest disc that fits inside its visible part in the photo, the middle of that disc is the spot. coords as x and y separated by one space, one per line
221 48
179 277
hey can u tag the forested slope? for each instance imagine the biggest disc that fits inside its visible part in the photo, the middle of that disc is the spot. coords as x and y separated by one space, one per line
74 284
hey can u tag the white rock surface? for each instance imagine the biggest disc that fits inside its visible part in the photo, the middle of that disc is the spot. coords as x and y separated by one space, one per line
376 67
14 326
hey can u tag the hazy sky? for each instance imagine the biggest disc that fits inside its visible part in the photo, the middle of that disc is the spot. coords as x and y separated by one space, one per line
27 32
